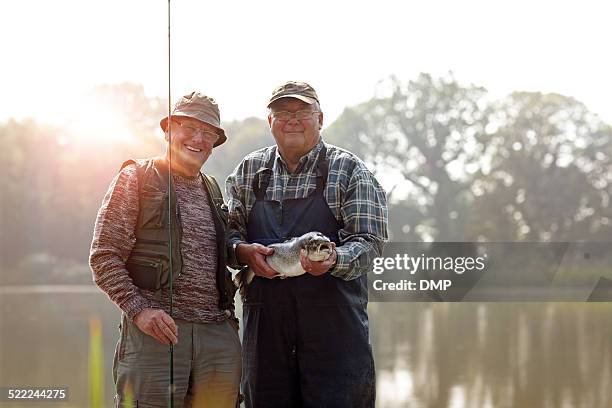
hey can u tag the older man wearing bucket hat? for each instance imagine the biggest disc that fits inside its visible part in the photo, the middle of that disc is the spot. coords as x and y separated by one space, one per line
142 241
305 338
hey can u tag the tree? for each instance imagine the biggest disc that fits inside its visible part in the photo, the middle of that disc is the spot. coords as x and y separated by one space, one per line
243 137
55 179
425 134
530 167
548 177
139 113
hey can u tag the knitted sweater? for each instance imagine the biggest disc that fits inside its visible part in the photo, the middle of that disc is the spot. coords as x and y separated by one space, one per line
195 294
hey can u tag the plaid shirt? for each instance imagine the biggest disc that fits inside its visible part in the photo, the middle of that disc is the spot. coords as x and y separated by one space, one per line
352 193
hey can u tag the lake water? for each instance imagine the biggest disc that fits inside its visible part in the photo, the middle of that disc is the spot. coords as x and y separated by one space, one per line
428 355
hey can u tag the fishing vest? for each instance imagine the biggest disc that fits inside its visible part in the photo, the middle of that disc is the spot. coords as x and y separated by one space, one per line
149 264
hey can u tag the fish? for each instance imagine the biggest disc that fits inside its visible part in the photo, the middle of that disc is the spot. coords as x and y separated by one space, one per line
286 257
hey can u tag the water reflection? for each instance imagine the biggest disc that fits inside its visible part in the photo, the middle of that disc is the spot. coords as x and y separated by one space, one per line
428 355
493 354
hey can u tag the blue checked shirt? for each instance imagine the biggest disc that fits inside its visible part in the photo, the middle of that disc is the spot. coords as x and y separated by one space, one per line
353 194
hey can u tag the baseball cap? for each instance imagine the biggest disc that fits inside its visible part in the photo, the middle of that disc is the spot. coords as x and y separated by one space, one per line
294 89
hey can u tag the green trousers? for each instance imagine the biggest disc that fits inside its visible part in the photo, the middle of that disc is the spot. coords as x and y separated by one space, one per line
207 367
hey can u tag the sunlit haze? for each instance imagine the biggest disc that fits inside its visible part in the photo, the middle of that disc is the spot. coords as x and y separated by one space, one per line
493 288
55 52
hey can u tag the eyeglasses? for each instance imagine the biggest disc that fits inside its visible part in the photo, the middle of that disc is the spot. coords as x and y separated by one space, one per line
299 115
194 131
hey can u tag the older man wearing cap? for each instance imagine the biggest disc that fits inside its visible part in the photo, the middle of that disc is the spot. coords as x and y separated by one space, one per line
136 250
305 338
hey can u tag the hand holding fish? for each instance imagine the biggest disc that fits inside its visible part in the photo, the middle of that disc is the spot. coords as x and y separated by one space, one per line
254 255
315 267
312 252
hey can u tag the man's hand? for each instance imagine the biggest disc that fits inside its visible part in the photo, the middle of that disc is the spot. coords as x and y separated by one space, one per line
318 268
254 255
157 324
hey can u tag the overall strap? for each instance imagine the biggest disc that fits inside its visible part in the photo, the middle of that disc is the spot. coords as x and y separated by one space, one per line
260 187
322 171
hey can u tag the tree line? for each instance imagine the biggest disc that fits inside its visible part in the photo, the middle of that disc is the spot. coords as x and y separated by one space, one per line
459 166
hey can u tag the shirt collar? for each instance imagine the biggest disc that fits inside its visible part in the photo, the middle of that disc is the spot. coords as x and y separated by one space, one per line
309 157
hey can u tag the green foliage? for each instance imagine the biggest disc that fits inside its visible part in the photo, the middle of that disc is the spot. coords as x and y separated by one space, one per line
243 137
423 132
139 113
548 177
531 166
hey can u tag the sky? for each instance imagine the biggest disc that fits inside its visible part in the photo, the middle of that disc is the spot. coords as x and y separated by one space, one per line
54 52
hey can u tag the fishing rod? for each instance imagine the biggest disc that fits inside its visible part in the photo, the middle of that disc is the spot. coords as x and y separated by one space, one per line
171 387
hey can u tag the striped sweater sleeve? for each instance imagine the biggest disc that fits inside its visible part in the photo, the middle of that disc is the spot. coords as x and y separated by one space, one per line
113 241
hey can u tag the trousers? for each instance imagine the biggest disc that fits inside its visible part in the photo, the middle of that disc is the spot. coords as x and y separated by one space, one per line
207 366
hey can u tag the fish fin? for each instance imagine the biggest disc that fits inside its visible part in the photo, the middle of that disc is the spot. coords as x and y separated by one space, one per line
242 279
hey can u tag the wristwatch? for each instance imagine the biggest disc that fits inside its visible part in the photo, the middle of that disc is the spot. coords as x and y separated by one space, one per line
234 247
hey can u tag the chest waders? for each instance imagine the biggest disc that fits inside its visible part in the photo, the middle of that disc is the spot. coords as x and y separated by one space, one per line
306 341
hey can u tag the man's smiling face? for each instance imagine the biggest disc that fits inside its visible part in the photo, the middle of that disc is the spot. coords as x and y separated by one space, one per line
192 144
295 135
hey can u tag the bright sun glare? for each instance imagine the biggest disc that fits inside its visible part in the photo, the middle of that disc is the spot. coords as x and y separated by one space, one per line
96 122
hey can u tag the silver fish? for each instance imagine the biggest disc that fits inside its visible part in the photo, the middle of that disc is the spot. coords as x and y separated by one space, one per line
286 257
